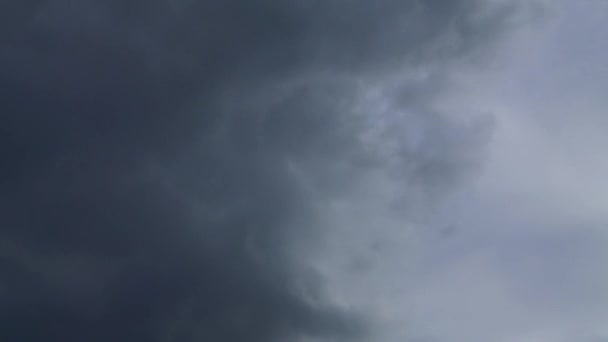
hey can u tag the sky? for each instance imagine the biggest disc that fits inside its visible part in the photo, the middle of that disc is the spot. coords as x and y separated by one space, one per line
303 170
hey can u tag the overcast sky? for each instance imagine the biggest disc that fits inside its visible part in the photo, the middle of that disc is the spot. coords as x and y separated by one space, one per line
306 171
525 254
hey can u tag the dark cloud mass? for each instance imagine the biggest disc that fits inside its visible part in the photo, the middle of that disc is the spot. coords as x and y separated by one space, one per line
154 155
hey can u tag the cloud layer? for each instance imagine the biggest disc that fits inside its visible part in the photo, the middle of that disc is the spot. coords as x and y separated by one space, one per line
165 162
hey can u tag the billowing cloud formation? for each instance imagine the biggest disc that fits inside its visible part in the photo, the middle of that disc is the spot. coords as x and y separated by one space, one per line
162 160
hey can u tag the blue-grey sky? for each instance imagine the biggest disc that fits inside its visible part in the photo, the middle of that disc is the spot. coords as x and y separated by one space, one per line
303 171
517 252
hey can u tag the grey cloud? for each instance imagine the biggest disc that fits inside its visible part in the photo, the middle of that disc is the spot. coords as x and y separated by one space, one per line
149 150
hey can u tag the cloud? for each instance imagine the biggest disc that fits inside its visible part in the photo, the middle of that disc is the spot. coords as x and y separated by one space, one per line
164 162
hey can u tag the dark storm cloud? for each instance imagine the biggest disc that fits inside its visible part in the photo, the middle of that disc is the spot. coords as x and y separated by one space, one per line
148 190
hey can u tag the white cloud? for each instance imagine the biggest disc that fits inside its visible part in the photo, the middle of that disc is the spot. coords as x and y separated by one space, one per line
524 253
